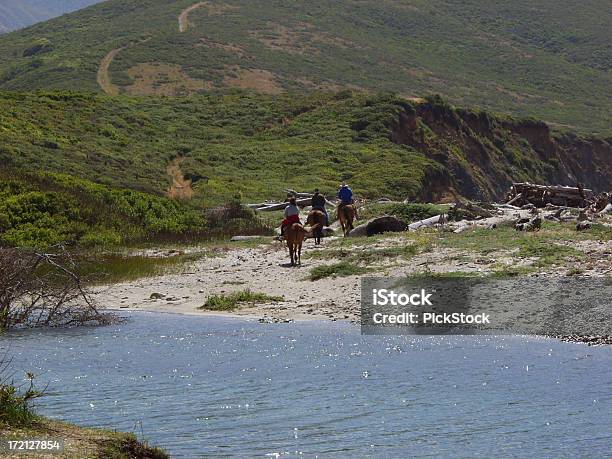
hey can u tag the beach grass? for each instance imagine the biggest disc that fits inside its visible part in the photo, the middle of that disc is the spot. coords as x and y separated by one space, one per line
341 269
112 268
231 301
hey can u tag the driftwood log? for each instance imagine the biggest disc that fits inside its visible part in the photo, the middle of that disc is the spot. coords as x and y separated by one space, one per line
428 222
522 194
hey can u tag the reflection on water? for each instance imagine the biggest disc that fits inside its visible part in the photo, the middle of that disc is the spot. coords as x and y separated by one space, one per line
211 386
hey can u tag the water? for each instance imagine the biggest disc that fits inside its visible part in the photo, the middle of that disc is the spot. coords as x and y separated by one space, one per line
201 386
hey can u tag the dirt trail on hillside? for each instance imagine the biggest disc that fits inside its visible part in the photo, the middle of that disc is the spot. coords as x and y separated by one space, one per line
103 76
180 188
183 19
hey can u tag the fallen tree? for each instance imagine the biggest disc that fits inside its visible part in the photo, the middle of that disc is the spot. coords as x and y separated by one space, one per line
44 289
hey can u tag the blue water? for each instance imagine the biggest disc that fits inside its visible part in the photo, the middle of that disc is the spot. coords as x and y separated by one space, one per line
201 386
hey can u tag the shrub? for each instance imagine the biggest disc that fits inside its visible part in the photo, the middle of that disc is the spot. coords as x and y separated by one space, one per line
341 269
233 300
41 45
101 237
39 210
15 409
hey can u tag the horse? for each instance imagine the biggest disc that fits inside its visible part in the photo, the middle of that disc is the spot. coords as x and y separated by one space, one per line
346 214
316 219
295 235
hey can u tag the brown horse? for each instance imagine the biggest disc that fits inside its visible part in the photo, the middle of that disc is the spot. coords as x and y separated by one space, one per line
346 214
316 219
295 235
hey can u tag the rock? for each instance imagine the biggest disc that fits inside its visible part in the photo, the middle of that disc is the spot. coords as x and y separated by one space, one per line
361 230
461 229
157 296
582 226
379 225
533 224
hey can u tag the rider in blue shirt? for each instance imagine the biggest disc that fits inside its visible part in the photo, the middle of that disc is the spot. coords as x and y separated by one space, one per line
345 194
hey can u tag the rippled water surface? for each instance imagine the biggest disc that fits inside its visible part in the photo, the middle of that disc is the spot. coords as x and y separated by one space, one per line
201 386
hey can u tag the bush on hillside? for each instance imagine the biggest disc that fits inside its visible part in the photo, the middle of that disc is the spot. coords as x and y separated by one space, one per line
42 210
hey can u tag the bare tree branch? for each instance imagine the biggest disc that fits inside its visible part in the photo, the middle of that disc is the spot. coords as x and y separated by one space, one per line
44 289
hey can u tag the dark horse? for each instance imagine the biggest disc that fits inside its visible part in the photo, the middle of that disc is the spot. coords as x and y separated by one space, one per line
316 217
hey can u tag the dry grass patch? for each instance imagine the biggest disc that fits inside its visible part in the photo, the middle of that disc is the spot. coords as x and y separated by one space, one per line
281 38
259 80
298 38
82 442
154 78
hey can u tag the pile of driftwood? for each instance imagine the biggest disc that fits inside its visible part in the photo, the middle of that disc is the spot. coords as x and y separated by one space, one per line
522 194
302 200
601 204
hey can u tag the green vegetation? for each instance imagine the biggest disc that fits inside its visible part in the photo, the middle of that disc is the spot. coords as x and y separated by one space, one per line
251 147
234 144
236 299
510 252
15 405
369 251
547 247
41 210
342 269
127 446
552 62
110 268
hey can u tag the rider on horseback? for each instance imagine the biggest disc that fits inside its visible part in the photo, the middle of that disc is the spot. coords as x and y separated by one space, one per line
318 203
292 215
345 194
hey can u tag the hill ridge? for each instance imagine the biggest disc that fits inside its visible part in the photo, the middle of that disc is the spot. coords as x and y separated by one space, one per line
548 61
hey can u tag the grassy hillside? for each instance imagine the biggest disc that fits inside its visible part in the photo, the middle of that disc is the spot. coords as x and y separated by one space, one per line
249 144
15 14
549 59
258 145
